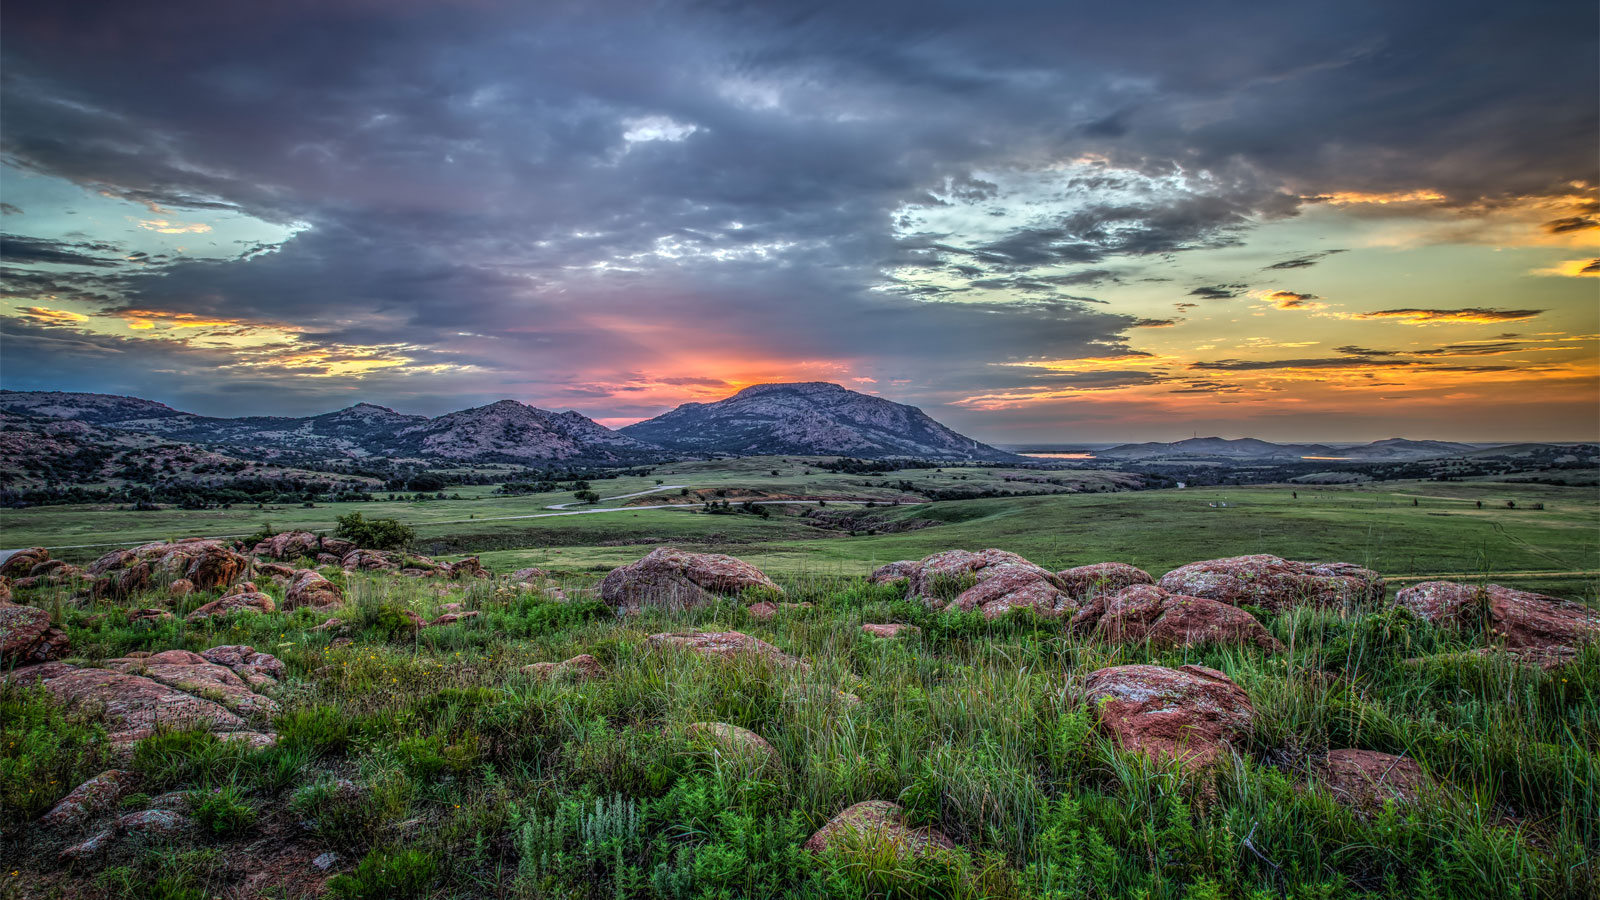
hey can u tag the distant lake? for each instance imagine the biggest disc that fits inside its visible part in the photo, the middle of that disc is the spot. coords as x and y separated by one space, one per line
1059 455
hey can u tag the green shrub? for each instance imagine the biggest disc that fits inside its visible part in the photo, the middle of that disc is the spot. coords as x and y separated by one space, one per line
374 534
223 811
387 875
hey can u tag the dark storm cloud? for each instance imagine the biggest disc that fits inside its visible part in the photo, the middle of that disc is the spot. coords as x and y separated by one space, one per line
509 185
1217 292
1306 261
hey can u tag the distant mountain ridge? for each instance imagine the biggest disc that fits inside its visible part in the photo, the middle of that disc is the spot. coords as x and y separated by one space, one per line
817 418
1389 450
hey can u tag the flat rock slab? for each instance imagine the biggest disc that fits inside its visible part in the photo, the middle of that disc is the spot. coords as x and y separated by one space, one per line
1366 779
252 601
132 706
878 823
1192 713
1275 584
1145 613
890 630
677 579
1544 627
727 645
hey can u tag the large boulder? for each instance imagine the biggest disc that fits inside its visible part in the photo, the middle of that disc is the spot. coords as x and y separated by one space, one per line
993 582
1083 583
874 824
676 579
289 545
131 706
733 741
1275 584
20 564
368 560
894 572
120 584
1544 628
1366 779
1193 714
337 546
726 645
26 636
310 588
1145 613
250 601
469 567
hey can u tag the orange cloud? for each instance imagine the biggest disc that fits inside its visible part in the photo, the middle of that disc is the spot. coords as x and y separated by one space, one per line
1293 300
1573 268
1362 198
52 316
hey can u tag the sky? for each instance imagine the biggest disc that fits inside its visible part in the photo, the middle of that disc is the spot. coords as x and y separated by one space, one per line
1043 222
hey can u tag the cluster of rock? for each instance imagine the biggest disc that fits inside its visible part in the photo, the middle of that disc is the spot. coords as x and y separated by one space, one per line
27 635
328 551
33 568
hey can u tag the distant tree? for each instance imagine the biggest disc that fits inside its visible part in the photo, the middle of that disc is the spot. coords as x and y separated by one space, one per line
587 496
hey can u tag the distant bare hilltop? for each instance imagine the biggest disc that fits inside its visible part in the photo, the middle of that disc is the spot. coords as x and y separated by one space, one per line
812 418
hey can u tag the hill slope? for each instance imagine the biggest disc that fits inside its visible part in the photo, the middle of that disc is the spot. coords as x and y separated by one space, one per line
812 418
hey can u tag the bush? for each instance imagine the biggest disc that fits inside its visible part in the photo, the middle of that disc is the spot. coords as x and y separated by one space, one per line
374 534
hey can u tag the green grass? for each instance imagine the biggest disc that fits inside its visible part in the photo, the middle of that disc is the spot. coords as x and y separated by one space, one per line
436 769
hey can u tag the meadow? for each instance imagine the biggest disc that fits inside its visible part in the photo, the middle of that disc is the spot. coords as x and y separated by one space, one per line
433 766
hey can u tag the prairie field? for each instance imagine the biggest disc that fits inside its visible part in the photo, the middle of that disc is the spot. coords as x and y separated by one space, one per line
429 763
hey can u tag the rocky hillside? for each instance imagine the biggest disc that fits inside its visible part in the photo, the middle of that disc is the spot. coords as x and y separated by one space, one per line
506 431
811 418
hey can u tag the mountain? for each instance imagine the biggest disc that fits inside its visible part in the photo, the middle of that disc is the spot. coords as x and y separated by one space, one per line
815 418
512 430
506 431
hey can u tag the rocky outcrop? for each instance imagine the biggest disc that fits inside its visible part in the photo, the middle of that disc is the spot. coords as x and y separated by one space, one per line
206 564
878 823
310 588
131 706
726 645
250 601
1366 779
890 631
1083 583
733 741
530 574
1145 613
27 636
469 567
89 799
1275 584
582 667
20 564
369 560
1545 629
1193 714
120 584
676 579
